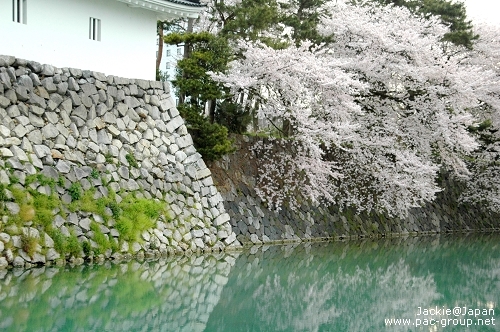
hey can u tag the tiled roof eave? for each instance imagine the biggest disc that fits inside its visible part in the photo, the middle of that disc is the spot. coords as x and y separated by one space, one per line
168 8
186 3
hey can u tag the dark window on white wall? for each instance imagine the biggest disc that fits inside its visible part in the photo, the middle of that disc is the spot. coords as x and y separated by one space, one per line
168 52
19 11
167 65
95 29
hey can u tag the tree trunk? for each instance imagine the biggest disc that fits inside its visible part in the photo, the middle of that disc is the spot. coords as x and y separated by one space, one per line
254 113
187 47
287 128
187 52
160 47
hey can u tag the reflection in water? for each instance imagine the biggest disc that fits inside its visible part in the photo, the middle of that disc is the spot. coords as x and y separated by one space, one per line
350 286
354 286
169 295
379 293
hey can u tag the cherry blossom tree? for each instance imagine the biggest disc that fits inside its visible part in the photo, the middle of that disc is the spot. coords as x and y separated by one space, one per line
375 116
299 88
484 184
418 102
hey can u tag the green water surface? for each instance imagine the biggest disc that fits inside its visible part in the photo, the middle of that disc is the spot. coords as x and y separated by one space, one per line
351 286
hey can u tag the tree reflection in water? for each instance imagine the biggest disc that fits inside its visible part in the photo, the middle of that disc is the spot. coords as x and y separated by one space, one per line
354 286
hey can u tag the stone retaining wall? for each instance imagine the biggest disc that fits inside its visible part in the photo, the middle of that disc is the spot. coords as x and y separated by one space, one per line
254 223
67 134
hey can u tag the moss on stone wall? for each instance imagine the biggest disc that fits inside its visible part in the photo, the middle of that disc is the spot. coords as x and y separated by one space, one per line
114 218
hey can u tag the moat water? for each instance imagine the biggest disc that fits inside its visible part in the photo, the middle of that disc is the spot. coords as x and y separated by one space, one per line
403 284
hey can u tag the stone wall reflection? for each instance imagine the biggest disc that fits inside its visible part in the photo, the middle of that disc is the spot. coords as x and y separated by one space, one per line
177 294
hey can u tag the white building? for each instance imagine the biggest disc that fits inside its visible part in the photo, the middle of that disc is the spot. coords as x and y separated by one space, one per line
168 65
115 37
171 54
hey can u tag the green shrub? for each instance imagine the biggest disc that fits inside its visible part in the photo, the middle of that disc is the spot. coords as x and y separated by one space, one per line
63 244
58 238
94 174
61 181
125 227
44 205
29 244
21 196
26 212
75 191
88 203
14 179
137 215
40 178
43 217
133 216
3 198
108 157
86 248
210 139
232 116
161 76
113 244
131 160
99 238
115 209
73 246
35 206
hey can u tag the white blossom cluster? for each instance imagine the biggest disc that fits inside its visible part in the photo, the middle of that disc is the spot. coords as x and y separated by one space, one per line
484 183
376 115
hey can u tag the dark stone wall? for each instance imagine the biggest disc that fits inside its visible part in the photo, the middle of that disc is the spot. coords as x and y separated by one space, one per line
236 176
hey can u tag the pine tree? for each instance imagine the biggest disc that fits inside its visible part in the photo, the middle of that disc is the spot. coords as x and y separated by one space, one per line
198 91
303 16
453 14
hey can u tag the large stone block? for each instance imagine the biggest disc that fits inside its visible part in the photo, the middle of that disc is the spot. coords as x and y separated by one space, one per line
4 102
35 66
202 173
75 98
20 131
81 112
50 131
6 153
174 124
48 84
19 153
88 89
132 102
223 218
184 141
7 60
99 76
22 93
25 81
48 70
230 239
